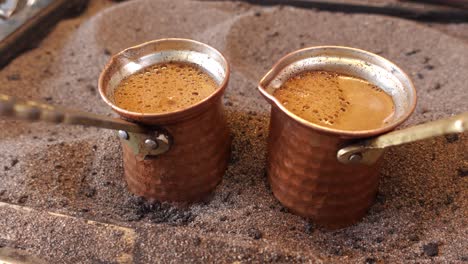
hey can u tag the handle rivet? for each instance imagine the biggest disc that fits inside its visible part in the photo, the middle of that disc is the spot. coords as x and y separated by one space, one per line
123 134
151 144
356 157
163 138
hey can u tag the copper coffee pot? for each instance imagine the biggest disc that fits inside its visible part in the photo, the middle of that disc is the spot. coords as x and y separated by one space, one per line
177 156
331 175
197 138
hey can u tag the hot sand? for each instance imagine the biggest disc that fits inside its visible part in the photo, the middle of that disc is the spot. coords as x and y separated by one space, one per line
76 173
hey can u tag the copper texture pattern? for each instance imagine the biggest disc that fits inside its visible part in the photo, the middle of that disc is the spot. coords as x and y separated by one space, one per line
193 166
303 169
306 177
199 136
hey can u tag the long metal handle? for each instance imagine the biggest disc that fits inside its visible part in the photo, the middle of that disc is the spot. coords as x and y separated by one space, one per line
12 107
368 151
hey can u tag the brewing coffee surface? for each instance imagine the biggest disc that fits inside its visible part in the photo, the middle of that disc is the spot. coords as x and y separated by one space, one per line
165 87
336 101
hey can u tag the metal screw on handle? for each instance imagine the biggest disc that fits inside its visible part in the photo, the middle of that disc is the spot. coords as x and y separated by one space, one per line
147 145
123 135
151 144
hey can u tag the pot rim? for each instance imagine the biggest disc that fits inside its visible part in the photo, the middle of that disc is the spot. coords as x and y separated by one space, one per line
339 132
168 115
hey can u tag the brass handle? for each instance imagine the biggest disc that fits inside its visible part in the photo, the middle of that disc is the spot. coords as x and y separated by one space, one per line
35 111
145 141
368 151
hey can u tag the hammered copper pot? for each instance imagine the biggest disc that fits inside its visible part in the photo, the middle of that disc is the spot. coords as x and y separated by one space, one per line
187 154
303 170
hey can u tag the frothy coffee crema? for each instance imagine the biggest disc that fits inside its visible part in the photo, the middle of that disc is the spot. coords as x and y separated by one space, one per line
163 88
336 101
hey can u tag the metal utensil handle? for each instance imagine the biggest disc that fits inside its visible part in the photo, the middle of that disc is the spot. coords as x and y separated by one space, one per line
35 111
368 151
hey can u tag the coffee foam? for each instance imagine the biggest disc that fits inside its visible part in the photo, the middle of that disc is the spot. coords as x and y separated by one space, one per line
164 87
336 100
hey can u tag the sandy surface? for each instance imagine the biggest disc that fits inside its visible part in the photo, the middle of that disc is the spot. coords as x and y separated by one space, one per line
420 212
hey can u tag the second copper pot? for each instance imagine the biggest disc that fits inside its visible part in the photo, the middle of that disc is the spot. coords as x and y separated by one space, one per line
303 169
